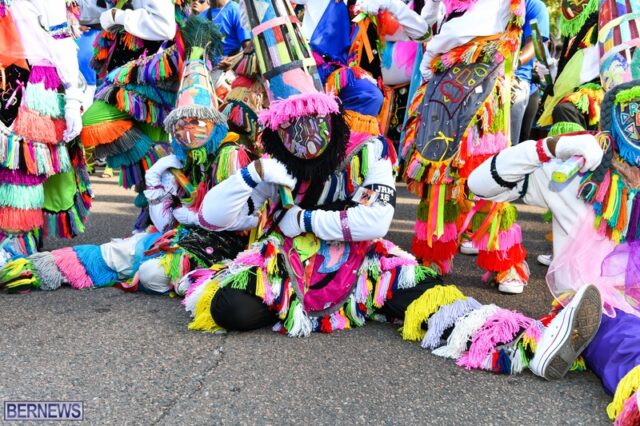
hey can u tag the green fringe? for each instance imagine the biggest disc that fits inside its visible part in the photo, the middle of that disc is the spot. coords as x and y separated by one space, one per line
198 156
423 272
21 196
288 323
46 102
239 281
224 167
509 217
451 212
547 216
423 210
628 95
563 127
572 27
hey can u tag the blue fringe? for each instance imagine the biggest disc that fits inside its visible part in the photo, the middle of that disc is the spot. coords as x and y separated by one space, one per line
91 258
132 156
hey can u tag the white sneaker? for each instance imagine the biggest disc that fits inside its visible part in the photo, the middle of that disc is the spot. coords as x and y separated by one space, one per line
513 283
511 286
568 334
545 259
467 248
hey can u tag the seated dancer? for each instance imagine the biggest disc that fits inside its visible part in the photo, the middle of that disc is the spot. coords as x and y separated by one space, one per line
138 58
320 265
460 118
203 155
596 217
44 186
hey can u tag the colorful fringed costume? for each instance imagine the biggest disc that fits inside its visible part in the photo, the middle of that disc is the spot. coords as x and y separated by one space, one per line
457 120
318 266
596 233
574 102
243 103
137 92
204 155
44 187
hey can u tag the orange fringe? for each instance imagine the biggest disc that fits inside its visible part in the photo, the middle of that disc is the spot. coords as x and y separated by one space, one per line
105 132
20 220
38 128
362 123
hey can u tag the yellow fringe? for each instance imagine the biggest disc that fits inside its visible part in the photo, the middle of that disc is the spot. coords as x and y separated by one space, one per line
202 319
260 284
627 387
362 123
420 309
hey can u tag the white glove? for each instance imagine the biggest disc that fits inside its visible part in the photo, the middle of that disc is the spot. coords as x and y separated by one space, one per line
413 25
371 7
291 225
275 172
425 67
186 216
166 186
73 119
431 11
585 146
160 182
108 21
152 176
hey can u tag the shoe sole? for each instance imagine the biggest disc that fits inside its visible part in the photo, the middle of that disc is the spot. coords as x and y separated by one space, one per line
510 290
469 251
585 319
545 263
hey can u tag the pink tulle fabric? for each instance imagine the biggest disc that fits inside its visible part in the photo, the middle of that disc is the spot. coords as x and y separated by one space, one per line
580 262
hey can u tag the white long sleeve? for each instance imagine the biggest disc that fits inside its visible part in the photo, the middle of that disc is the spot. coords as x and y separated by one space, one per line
160 214
150 19
485 18
33 20
363 223
233 205
519 164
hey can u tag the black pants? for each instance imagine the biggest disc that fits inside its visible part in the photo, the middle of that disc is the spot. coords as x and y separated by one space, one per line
237 310
529 116
566 111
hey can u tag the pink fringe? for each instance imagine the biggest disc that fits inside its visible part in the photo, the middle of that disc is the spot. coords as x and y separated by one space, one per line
499 328
450 232
47 75
338 322
282 110
389 263
250 258
458 5
268 292
381 289
630 414
506 239
489 144
69 265
197 278
38 128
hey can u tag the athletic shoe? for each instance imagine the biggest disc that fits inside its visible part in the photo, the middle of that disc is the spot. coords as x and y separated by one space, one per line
545 259
467 248
513 282
568 334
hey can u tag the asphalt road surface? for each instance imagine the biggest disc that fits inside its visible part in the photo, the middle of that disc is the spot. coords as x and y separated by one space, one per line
131 359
